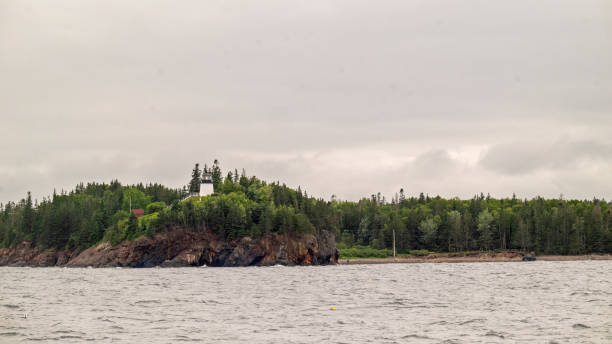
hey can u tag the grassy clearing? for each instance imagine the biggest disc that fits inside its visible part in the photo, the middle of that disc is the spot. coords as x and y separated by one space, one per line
364 252
357 251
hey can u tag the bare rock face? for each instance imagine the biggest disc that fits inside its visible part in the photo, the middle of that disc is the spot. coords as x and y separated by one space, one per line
183 247
284 249
25 254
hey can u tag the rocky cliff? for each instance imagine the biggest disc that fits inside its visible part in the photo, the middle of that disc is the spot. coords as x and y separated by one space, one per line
183 247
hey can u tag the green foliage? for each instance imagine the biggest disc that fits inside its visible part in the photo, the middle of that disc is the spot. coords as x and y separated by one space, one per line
132 227
216 175
429 228
247 206
364 252
455 227
485 219
233 215
554 226
155 207
347 238
136 198
196 179
150 223
114 235
80 218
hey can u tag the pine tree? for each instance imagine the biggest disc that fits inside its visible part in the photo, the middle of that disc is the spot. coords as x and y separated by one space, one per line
132 227
27 222
421 198
244 181
216 175
196 179
228 184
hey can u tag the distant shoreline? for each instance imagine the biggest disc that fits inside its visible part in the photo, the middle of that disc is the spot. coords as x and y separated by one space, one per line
482 258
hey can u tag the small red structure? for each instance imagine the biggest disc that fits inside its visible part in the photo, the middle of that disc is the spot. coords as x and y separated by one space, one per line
138 212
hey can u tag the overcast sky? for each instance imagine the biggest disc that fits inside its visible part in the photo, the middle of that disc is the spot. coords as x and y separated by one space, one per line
341 97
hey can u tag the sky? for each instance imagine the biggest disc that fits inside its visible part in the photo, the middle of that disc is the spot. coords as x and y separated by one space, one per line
345 98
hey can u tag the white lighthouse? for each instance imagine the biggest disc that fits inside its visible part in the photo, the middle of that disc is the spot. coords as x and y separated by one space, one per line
206 187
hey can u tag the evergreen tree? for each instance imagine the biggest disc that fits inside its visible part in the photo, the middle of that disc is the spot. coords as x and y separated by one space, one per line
456 235
132 227
244 181
468 233
27 222
485 219
196 179
248 206
421 198
216 175
521 236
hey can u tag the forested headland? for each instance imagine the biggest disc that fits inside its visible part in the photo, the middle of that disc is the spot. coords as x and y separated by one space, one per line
247 206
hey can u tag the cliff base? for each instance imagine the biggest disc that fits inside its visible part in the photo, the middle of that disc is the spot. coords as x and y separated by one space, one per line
183 247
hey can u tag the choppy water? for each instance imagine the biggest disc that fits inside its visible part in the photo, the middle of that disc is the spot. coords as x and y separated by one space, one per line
539 302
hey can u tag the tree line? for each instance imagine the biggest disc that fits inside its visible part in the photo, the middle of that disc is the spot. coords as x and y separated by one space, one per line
79 218
247 206
549 226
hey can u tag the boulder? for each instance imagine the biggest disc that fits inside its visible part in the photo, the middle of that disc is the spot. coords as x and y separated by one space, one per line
529 257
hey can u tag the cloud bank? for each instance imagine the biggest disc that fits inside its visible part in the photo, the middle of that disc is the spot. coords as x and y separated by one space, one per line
341 97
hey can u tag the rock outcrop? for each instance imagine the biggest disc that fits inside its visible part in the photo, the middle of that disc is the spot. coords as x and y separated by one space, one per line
183 247
25 254
530 257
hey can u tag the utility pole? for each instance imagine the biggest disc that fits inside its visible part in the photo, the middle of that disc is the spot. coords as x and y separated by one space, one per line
394 222
393 242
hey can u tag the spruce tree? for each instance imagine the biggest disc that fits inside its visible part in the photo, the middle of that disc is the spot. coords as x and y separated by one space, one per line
216 175
196 176
244 181
132 227
28 218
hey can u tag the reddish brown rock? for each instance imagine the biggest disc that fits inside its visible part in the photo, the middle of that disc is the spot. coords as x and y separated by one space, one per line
183 247
25 254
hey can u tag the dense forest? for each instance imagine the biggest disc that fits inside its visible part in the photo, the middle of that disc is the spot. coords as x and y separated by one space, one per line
248 206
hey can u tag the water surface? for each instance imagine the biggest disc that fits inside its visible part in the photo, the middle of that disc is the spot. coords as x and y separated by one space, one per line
535 302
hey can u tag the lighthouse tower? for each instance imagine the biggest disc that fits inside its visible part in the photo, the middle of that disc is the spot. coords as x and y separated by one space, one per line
206 187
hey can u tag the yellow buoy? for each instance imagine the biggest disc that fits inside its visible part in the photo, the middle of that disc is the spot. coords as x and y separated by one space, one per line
333 309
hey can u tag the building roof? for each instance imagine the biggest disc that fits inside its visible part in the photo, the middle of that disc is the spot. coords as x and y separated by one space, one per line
138 212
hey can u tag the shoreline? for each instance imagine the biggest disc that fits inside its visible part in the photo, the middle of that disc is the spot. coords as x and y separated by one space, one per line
182 246
479 258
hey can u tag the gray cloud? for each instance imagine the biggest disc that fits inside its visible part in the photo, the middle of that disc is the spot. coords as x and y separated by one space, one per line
565 154
340 97
434 163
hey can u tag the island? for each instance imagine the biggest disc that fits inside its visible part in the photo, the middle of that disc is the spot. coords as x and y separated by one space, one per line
240 220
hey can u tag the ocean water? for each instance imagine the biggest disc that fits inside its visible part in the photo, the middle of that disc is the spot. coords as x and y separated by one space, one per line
531 302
